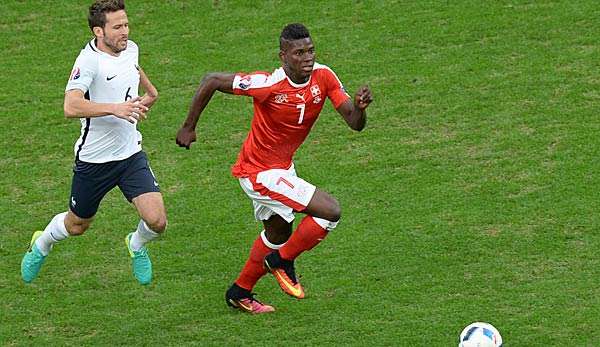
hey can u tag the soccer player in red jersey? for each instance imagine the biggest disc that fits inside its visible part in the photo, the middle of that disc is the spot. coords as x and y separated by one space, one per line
287 102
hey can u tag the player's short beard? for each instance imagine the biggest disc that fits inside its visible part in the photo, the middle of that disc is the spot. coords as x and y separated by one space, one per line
112 46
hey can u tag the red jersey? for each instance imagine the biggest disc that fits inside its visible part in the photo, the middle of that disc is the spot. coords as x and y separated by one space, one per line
284 113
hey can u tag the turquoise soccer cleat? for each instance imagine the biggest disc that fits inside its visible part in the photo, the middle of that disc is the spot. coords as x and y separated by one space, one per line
142 266
32 260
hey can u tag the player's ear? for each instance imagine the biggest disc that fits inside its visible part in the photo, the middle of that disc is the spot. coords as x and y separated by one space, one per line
281 55
98 32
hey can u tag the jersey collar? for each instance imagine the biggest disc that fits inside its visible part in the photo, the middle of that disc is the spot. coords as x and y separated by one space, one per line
296 85
95 48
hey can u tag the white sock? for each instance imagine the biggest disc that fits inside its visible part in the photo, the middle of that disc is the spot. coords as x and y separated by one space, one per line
141 236
55 231
263 236
325 224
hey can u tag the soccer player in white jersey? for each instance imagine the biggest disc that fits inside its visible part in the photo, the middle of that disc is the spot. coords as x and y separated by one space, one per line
287 103
102 92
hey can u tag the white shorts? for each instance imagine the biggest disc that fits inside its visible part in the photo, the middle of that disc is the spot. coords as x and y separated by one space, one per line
277 191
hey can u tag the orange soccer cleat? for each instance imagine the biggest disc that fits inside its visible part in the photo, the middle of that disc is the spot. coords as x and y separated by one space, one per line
284 273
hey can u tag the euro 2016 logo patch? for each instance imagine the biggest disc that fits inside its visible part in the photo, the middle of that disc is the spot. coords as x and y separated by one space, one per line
245 82
75 74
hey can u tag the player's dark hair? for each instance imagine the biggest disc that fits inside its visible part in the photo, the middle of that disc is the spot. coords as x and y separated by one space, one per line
291 32
99 9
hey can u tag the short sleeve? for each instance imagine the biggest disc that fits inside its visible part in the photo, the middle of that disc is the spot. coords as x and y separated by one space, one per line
83 73
256 85
335 90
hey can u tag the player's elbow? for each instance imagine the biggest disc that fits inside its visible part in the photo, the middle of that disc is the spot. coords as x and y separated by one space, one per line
210 79
70 104
357 126
69 110
153 94
214 81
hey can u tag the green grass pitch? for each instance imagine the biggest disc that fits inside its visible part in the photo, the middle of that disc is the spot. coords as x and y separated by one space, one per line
473 193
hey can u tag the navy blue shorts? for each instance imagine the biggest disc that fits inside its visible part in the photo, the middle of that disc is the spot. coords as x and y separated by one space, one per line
92 181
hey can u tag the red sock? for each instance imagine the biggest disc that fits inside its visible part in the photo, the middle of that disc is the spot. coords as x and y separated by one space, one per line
254 270
307 235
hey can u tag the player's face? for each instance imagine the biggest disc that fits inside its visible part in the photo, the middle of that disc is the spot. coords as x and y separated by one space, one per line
116 31
298 57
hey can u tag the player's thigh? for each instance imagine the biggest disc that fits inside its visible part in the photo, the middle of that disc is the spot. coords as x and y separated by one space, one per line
323 205
89 185
139 186
137 177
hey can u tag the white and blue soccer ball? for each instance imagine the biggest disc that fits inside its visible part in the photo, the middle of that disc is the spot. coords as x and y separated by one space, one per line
480 334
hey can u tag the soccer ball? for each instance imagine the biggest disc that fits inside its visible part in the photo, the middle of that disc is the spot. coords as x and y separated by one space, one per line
480 334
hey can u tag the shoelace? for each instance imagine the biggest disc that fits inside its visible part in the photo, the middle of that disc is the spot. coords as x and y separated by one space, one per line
143 252
252 298
288 267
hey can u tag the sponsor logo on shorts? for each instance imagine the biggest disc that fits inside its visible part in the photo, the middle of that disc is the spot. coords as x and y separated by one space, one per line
302 190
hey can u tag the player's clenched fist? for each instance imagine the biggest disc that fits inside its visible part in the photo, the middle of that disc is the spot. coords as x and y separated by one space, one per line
185 137
131 110
363 97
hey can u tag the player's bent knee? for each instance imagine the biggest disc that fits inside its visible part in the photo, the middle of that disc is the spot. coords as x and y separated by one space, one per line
76 225
157 224
77 229
334 212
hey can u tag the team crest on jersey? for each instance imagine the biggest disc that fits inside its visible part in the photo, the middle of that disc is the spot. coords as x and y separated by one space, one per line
245 82
75 74
316 94
314 90
281 98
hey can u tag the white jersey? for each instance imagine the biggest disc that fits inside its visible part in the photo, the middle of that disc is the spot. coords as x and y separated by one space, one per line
106 79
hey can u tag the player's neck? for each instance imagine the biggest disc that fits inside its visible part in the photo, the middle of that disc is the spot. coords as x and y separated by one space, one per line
104 48
294 78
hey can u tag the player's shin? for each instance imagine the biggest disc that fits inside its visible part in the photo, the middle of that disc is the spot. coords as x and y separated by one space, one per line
310 232
253 269
55 231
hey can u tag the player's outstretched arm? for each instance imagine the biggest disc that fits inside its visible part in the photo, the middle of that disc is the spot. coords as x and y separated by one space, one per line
211 82
354 112
151 94
77 106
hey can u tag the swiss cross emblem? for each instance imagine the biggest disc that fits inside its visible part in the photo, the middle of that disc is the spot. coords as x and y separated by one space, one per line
316 94
315 91
280 98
